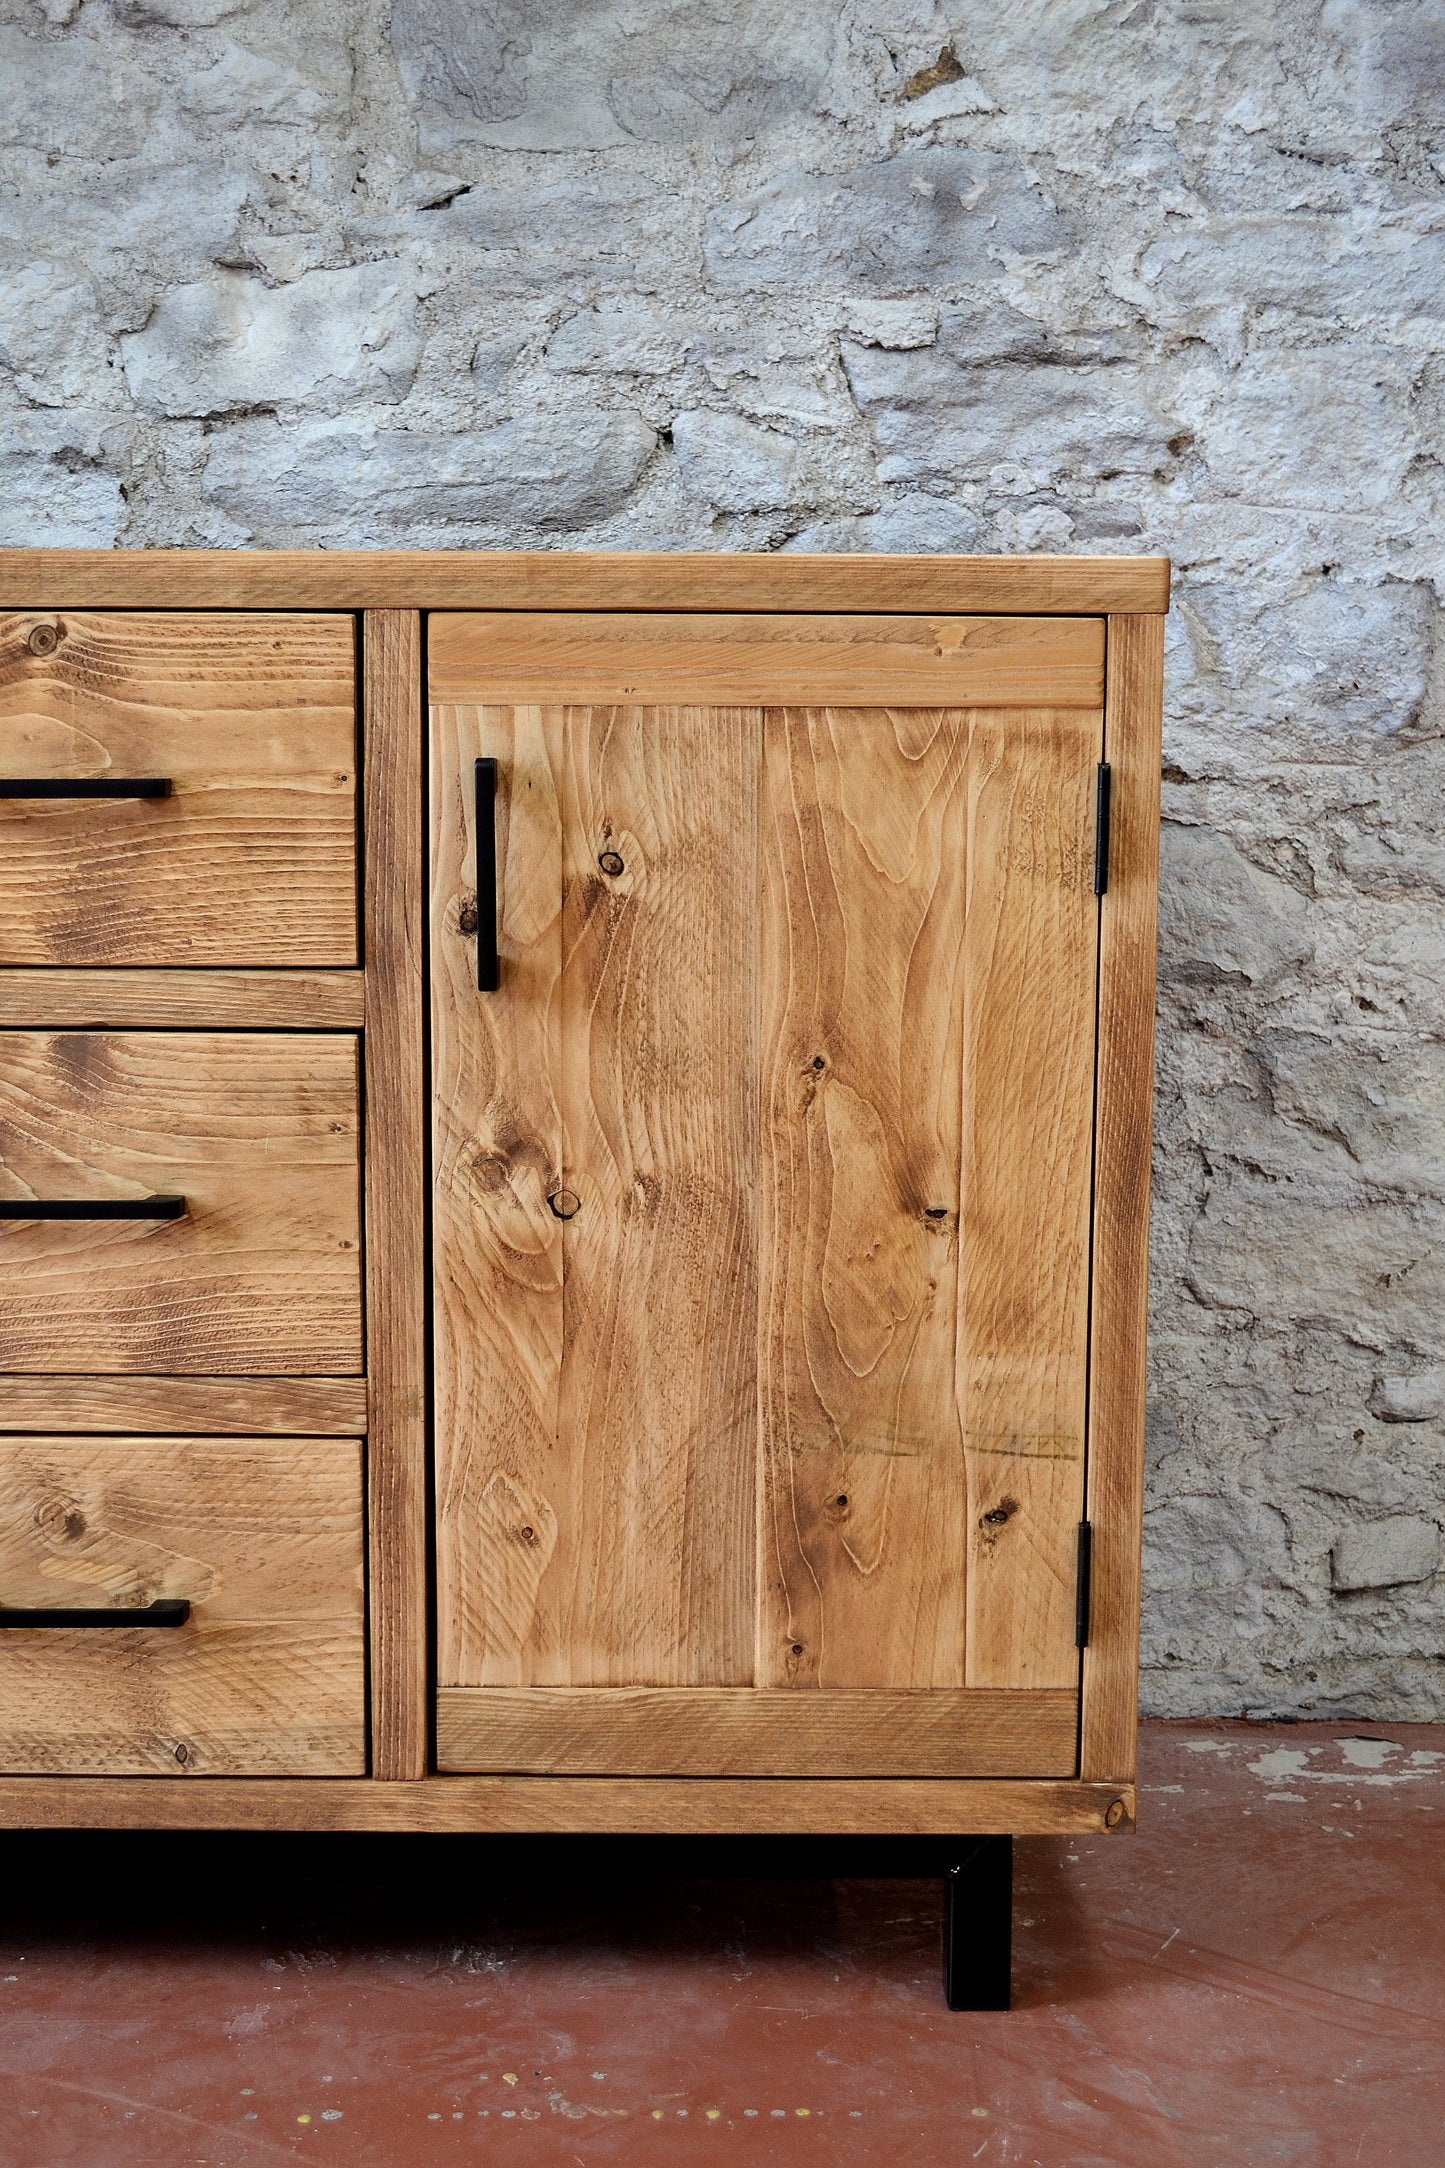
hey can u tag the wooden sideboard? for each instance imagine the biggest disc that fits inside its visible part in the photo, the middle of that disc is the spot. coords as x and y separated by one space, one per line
574 1143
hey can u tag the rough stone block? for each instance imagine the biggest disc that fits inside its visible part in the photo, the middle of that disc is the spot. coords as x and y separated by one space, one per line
59 488
1322 430
922 218
1385 1554
931 417
630 340
545 472
1221 918
1417 1397
230 342
728 463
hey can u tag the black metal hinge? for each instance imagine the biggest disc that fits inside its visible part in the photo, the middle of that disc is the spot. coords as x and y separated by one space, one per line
1084 1587
1102 787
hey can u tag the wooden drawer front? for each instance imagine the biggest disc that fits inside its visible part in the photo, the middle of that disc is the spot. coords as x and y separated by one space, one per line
261 1536
251 858
257 1131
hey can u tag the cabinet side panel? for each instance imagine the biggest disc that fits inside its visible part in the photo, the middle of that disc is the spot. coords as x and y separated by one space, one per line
1121 1195
1029 981
862 1540
497 1155
395 1190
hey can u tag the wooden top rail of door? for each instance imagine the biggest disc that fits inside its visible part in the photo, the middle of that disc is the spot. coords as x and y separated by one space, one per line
802 659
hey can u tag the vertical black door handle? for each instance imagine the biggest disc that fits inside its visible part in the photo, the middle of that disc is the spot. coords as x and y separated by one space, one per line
489 962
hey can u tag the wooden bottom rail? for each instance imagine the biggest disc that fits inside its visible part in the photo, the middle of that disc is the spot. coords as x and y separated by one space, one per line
699 1806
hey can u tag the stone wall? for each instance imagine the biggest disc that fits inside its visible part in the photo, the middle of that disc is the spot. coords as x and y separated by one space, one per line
1156 275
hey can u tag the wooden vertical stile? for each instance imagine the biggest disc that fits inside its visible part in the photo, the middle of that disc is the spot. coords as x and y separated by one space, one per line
1127 934
395 1188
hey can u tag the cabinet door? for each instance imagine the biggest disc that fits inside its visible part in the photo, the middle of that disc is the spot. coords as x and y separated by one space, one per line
762 1189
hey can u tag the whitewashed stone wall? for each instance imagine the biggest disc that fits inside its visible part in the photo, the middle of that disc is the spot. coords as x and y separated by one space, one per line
1155 275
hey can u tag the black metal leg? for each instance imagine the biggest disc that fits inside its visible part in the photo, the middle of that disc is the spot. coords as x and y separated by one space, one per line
978 1925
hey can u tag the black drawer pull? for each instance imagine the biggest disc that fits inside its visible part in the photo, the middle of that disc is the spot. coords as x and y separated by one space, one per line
86 786
489 962
80 1208
169 1611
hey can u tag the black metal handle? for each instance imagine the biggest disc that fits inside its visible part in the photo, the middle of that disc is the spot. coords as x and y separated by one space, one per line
169 1611
85 786
489 962
81 1208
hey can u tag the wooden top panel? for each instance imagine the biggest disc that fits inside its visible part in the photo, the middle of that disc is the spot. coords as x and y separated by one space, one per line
812 660
575 580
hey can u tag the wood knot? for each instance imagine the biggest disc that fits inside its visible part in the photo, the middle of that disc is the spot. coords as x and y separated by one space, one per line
44 639
1000 1515
1115 1813
611 863
467 914
60 1520
565 1203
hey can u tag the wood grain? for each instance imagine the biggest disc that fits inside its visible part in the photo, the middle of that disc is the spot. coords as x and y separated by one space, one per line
259 1133
1028 1031
895 904
262 1537
396 1088
623 1452
750 660
250 860
496 1158
1121 1195
863 1529
136 1000
319 1407
733 1731
685 1806
575 580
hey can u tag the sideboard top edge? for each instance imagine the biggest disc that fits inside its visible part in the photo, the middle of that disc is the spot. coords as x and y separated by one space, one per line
575 579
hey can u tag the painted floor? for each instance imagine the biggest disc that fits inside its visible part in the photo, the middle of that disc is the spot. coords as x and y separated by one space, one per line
1257 1976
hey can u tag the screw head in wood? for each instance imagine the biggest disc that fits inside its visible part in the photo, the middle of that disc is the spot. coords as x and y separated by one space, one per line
610 862
44 639
565 1203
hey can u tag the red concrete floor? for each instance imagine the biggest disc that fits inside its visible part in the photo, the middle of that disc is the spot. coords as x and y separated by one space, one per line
1258 1976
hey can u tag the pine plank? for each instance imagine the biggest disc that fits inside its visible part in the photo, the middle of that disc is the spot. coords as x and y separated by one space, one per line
575 580
1121 1195
311 1407
667 658
861 953
250 860
497 1156
735 1731
258 1132
396 1123
264 1539
639 1806
1028 1026
648 1584
139 1000
639 1455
